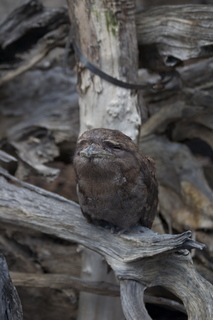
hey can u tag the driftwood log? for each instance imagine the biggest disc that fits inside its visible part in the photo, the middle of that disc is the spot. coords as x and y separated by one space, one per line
140 259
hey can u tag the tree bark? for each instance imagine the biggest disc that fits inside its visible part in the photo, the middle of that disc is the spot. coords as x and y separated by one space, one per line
10 305
106 35
171 34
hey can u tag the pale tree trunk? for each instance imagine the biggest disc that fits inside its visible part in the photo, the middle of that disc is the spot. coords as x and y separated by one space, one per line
105 32
92 306
106 35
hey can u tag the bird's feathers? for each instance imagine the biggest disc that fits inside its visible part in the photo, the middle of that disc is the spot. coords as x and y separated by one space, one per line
116 183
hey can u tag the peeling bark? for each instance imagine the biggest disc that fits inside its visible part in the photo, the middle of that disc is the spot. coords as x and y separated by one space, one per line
105 33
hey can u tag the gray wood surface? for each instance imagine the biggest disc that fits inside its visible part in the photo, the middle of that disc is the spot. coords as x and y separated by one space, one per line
170 34
139 258
10 305
39 116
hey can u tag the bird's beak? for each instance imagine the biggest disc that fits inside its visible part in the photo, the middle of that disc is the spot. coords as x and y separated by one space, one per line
94 151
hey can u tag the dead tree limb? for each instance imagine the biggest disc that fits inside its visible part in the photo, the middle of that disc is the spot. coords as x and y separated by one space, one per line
62 281
52 40
30 25
140 258
10 305
170 34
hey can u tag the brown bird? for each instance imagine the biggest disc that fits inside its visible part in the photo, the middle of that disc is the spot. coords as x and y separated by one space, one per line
116 185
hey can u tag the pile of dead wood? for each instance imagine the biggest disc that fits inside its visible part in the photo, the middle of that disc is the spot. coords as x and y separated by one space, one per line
39 125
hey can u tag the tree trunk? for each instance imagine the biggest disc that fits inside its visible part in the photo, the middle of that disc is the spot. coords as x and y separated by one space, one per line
106 35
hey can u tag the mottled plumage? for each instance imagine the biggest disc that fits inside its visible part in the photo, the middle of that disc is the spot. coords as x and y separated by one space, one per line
115 183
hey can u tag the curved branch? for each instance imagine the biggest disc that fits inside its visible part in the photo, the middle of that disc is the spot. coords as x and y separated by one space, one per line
132 293
140 258
32 207
176 273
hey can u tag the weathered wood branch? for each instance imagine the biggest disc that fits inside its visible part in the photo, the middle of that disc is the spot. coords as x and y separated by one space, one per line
164 37
30 26
139 256
44 46
184 191
10 305
170 34
31 21
33 209
175 273
61 281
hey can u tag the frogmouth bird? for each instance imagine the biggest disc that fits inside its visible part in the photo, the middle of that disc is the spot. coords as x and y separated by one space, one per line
116 184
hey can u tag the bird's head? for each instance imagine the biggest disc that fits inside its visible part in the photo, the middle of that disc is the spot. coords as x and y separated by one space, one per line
105 147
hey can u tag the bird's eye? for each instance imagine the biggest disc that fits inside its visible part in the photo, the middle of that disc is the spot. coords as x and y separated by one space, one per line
81 142
116 147
113 145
